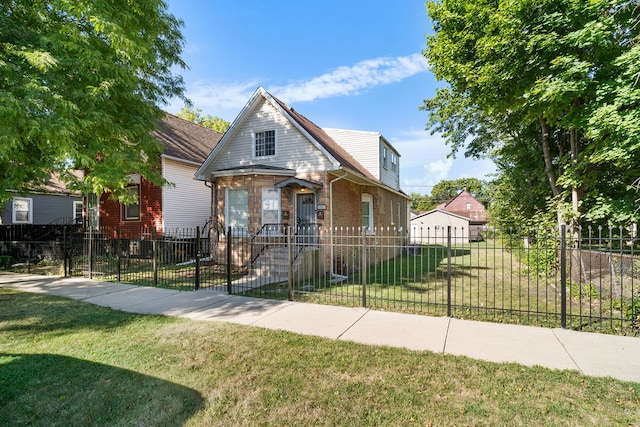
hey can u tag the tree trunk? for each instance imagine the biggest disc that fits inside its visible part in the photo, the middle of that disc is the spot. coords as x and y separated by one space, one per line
546 151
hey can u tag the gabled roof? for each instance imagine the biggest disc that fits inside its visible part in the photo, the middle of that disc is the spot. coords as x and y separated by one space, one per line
329 144
431 212
464 192
185 140
334 152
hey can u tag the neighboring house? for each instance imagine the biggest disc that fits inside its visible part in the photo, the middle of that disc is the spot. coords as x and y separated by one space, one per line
54 204
274 166
183 204
433 228
465 205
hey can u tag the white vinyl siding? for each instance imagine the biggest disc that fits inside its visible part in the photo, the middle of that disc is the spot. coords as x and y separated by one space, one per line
186 204
369 148
294 150
363 146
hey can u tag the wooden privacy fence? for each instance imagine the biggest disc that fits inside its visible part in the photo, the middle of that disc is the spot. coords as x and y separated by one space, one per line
584 279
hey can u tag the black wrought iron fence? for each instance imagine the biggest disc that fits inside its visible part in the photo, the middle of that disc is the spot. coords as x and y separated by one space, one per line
584 279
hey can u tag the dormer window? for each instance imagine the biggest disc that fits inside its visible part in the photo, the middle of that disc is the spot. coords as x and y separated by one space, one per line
394 162
264 144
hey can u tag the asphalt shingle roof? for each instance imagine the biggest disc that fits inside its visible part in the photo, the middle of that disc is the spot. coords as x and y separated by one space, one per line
185 140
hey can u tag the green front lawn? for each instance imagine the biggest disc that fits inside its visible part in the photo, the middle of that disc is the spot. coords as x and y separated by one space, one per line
67 363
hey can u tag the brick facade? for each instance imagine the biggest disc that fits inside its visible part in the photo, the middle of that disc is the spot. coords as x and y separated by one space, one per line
150 203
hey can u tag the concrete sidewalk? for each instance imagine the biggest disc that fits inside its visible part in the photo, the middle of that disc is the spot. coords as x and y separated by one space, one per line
590 353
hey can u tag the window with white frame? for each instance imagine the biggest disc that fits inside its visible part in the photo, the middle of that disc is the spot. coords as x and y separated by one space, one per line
22 210
367 212
237 208
394 162
77 212
264 144
391 210
132 210
270 206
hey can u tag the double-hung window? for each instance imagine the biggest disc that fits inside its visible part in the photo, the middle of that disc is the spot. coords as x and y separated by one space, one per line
237 212
264 144
367 212
22 211
384 157
394 162
132 210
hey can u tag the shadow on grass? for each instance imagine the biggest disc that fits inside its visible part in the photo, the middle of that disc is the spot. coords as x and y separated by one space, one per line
41 313
48 389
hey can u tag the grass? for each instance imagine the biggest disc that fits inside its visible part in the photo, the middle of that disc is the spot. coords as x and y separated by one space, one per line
65 362
487 281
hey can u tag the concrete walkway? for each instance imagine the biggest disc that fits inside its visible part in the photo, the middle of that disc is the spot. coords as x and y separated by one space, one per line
590 353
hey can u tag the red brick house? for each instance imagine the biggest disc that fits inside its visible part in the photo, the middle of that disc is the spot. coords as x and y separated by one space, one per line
184 204
275 166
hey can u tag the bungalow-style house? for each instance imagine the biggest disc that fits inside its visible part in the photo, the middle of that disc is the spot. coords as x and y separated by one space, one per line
183 204
432 227
274 166
53 204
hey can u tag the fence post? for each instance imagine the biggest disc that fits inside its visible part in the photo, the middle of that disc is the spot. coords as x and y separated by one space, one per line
70 255
64 249
229 288
197 258
563 276
154 255
290 274
449 271
90 253
364 267
118 255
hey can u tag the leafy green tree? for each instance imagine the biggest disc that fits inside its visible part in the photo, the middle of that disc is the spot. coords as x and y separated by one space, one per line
421 203
564 70
448 189
212 122
80 83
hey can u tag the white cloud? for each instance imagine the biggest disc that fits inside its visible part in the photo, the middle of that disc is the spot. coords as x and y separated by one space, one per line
226 100
345 81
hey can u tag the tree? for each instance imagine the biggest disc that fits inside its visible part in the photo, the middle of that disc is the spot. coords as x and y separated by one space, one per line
551 68
80 83
421 203
195 115
446 190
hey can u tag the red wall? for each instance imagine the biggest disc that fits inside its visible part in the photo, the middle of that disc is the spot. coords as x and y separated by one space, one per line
150 201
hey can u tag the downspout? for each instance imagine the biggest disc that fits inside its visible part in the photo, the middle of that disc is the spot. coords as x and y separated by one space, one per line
212 213
331 221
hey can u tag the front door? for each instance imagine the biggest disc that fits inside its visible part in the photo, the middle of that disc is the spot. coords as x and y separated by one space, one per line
305 217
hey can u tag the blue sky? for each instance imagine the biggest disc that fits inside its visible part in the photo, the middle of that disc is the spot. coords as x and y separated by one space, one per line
347 64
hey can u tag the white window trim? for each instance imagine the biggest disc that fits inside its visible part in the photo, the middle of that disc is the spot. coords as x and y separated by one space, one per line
13 210
227 216
253 144
368 198
394 162
125 213
392 210
75 210
277 230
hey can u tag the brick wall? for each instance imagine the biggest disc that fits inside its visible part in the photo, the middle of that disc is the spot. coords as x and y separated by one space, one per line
150 202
